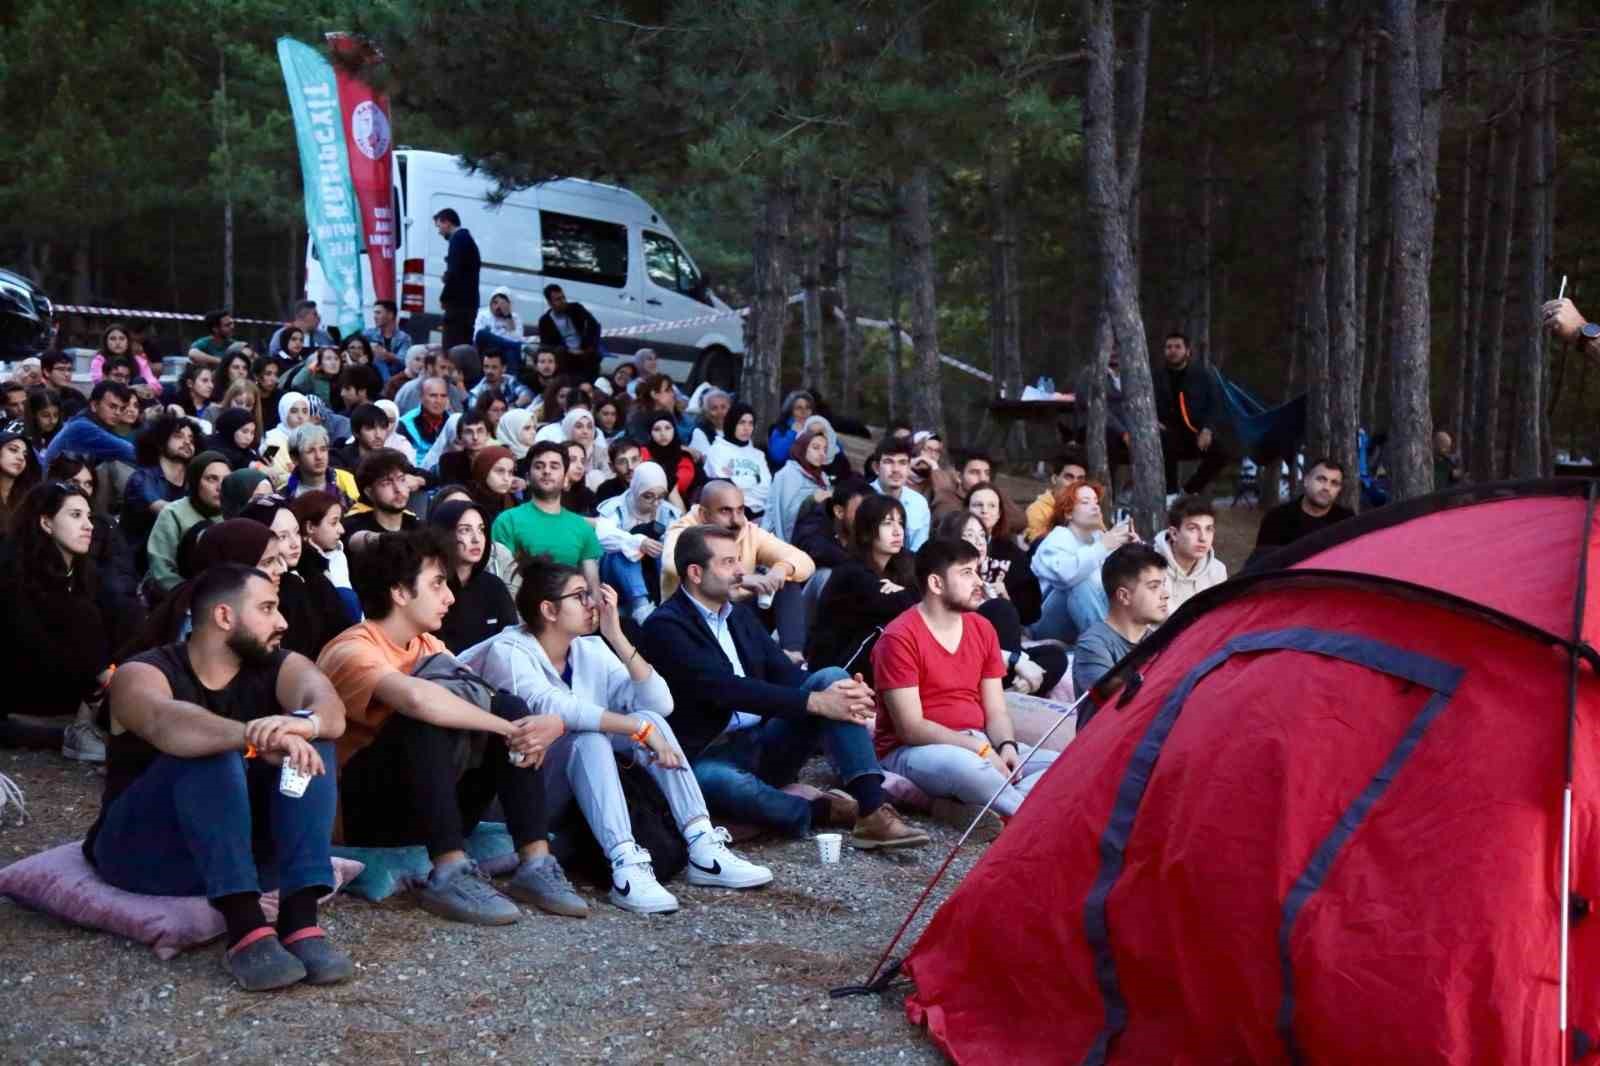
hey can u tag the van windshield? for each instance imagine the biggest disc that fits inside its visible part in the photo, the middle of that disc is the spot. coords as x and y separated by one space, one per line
584 249
669 267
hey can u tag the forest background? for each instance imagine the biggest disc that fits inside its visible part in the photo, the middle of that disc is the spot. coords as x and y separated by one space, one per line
1363 200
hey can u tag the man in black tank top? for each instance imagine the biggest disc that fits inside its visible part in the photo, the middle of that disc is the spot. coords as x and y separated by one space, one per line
200 733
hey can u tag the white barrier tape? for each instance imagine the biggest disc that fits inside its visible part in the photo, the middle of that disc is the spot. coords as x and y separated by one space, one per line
947 360
682 323
123 312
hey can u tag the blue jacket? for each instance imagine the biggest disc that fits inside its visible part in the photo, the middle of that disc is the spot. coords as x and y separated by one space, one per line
461 264
85 436
705 691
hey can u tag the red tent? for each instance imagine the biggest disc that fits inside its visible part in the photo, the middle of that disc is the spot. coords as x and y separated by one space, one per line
1321 821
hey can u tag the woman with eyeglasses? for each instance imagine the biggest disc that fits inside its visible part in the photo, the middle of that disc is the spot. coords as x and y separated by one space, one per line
483 606
57 638
631 529
570 658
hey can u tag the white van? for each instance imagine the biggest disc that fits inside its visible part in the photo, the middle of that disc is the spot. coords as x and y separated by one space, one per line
607 248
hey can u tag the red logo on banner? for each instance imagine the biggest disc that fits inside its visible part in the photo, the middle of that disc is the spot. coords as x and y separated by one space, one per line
366 131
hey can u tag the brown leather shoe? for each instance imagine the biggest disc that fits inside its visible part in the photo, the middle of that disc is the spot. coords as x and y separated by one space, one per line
843 810
884 828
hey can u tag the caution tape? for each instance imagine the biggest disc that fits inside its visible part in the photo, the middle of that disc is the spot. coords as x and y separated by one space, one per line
682 323
124 312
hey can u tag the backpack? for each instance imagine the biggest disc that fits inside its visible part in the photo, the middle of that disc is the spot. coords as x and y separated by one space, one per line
654 829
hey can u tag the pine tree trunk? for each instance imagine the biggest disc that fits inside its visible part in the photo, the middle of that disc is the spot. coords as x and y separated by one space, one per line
1314 251
1375 361
1369 111
1467 445
1527 460
849 338
1502 222
927 400
1108 201
227 180
1344 358
769 306
1005 304
815 357
1094 428
897 245
1200 328
1463 354
1409 451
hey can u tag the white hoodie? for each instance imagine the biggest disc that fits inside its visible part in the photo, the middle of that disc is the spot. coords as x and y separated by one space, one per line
1206 573
514 659
743 464
509 327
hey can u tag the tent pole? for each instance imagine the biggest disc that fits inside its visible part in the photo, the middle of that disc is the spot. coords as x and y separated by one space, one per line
1070 712
1566 903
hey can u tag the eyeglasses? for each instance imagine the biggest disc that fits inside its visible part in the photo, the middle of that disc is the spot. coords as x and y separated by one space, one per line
584 596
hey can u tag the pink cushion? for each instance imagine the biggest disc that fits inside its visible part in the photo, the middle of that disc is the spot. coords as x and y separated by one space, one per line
60 882
905 794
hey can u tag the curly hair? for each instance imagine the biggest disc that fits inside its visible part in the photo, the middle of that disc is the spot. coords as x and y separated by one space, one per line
1061 513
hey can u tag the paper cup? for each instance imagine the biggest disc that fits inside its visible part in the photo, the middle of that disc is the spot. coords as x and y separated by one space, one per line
828 845
292 782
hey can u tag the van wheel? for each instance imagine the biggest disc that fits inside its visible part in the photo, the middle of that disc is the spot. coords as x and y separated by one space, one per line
718 366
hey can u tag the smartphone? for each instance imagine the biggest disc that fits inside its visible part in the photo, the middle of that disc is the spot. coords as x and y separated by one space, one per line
1122 514
270 454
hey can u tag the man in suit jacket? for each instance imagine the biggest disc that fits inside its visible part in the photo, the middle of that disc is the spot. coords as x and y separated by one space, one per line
718 661
459 297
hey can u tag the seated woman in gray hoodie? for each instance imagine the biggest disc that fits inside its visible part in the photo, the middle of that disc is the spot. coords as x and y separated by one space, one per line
615 704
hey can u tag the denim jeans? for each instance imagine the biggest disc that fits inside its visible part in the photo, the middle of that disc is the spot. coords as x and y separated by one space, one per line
626 576
216 826
485 341
742 774
1068 612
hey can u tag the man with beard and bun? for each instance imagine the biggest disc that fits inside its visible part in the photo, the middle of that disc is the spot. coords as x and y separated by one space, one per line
193 802
542 526
384 481
202 502
164 451
943 721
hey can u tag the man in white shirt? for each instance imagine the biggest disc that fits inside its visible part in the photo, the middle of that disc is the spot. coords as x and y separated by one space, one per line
894 468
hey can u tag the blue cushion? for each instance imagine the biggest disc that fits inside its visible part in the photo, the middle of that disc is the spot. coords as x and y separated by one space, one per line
391 870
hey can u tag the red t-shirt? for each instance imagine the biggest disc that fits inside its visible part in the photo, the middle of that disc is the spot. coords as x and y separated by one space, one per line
908 656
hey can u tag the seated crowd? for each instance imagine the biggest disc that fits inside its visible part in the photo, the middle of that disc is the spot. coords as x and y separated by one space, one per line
409 586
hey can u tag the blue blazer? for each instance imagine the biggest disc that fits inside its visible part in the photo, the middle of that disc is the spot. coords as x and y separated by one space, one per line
705 691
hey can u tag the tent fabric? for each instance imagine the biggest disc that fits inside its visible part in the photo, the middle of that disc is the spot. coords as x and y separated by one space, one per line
1325 828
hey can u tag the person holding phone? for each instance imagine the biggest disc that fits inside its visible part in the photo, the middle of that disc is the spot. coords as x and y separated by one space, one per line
1068 559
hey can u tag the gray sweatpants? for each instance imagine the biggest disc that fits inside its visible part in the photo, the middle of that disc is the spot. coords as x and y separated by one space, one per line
592 772
949 772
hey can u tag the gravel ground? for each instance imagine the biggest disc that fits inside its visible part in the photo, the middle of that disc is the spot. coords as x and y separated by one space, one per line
730 976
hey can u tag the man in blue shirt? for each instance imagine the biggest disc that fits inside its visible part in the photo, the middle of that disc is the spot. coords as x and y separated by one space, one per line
90 434
894 468
387 335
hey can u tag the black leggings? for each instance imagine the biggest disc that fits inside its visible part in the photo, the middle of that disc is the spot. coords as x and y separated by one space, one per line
420 784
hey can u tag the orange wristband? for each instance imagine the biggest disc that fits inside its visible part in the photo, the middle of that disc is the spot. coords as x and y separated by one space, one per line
249 750
644 732
983 752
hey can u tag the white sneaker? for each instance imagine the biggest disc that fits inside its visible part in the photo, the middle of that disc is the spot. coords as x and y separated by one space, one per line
634 886
82 742
712 864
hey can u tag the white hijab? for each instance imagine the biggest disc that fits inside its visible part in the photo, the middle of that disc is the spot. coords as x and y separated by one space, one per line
509 431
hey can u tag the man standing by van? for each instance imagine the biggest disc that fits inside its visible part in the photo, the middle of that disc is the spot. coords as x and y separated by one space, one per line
459 299
569 328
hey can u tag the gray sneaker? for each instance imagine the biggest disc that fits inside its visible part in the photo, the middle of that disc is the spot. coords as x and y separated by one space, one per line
542 883
82 742
461 893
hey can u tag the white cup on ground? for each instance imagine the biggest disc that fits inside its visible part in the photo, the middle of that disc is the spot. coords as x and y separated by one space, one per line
828 846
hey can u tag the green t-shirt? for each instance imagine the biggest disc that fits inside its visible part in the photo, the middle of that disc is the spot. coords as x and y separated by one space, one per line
211 346
564 536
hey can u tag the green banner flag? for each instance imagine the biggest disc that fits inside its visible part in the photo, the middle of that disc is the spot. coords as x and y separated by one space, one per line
331 213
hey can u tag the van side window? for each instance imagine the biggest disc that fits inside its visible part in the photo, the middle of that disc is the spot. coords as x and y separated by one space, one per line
584 249
668 266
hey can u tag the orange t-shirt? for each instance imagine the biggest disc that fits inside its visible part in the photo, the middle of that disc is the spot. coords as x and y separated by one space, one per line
355 661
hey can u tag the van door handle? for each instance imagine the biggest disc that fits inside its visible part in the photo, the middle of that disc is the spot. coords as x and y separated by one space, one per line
654 303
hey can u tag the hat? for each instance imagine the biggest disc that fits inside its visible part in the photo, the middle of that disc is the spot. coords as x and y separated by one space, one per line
237 490
12 429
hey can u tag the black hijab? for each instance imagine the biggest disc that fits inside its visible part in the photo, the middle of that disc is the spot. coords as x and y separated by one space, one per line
228 423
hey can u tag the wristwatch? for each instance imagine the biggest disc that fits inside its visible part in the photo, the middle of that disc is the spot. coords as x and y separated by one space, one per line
307 713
